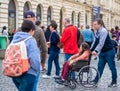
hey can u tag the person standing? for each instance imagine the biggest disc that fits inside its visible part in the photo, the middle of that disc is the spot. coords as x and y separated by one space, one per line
103 46
40 38
38 25
69 39
117 33
54 52
4 31
88 35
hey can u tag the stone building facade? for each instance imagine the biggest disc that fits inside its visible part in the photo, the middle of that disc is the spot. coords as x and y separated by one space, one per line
79 11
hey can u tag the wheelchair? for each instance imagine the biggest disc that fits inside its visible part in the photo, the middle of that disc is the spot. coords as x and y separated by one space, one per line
85 75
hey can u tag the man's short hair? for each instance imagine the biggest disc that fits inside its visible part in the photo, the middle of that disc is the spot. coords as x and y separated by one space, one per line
37 23
87 27
67 20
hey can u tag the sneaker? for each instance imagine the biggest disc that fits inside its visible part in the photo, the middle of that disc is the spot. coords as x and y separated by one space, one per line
112 84
46 76
56 77
43 70
60 81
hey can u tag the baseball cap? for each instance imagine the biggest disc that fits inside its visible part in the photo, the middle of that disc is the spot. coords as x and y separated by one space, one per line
29 14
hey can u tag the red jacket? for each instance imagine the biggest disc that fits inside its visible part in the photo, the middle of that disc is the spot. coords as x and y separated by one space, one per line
69 40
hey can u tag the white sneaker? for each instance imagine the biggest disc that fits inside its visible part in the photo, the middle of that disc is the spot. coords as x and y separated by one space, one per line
56 76
46 76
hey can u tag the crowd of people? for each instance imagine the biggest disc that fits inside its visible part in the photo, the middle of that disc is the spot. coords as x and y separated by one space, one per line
97 41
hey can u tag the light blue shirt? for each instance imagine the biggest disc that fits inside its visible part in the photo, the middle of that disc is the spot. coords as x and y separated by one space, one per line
33 52
102 34
88 35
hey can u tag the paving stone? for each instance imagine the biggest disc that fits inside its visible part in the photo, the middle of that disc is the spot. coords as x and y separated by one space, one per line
6 83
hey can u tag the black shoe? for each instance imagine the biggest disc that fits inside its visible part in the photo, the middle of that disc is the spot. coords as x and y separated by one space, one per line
60 81
113 84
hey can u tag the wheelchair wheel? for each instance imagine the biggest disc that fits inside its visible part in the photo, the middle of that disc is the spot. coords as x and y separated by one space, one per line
72 84
87 75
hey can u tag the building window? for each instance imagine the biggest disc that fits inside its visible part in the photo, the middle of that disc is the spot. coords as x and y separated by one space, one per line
61 20
26 7
73 17
11 16
38 13
86 19
49 12
79 19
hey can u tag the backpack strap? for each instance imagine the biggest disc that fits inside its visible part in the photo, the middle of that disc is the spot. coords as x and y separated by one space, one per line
27 38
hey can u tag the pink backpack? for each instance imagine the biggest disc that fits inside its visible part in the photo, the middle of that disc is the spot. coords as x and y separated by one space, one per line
16 62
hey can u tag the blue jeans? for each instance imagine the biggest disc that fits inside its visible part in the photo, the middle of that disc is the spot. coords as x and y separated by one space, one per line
107 57
25 82
36 82
53 56
67 56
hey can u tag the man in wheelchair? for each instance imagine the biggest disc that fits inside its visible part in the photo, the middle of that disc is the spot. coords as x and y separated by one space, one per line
83 54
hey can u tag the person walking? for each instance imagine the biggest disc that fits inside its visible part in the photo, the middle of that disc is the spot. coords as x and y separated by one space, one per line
103 46
54 52
26 81
40 38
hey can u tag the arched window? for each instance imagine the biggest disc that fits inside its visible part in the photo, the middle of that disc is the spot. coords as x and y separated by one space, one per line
86 19
79 19
61 20
49 12
38 13
11 16
26 7
73 17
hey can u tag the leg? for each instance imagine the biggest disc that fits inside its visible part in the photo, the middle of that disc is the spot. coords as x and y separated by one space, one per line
67 56
111 63
27 82
65 70
36 82
16 82
57 65
101 65
50 60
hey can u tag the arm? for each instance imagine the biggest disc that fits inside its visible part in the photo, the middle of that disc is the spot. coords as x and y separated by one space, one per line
84 56
34 55
101 43
65 36
43 45
74 56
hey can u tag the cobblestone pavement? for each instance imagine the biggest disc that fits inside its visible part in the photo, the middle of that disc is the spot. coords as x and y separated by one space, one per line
6 83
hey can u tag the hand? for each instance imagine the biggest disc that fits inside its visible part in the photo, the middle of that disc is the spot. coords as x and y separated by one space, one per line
71 62
69 59
94 53
48 44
